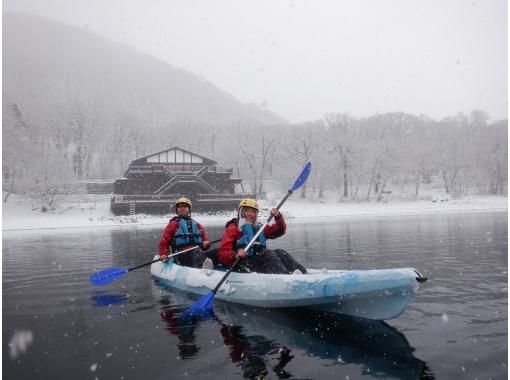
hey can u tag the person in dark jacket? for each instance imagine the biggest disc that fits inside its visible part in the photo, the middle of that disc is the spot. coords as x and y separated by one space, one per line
183 232
240 231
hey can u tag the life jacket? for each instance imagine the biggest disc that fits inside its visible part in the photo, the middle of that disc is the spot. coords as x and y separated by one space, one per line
249 231
187 233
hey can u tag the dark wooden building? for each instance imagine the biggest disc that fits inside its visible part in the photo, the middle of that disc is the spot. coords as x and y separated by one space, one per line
151 184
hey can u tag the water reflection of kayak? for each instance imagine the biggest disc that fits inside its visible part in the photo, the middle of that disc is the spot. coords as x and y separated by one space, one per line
254 334
374 294
374 345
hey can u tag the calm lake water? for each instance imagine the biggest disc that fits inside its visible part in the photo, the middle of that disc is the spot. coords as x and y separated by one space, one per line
56 325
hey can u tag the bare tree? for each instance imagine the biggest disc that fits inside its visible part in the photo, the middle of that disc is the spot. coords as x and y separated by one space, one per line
301 148
31 161
73 134
257 153
16 143
344 137
267 150
449 151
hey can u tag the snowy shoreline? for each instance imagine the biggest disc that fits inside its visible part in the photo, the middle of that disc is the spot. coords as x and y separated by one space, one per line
20 216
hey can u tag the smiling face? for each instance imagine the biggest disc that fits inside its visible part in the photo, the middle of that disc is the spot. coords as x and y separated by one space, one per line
250 214
182 209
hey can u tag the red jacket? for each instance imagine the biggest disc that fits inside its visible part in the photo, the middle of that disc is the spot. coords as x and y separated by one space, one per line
227 251
169 233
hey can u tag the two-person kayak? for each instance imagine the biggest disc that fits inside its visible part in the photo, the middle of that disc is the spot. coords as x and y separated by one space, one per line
375 294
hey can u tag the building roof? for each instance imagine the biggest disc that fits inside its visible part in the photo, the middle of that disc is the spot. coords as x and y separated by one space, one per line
174 155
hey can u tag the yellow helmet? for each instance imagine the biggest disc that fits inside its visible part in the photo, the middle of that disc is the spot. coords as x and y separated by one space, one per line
183 200
248 202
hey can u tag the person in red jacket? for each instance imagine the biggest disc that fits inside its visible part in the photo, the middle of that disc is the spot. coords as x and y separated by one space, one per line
183 232
241 230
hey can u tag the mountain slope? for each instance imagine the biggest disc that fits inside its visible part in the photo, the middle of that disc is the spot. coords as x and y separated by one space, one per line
47 65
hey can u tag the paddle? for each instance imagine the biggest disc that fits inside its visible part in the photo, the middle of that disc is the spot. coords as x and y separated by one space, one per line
109 275
206 302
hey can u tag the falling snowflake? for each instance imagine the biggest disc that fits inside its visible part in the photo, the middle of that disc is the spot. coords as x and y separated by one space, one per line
19 343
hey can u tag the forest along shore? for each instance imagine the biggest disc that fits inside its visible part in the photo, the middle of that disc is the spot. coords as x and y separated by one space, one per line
19 214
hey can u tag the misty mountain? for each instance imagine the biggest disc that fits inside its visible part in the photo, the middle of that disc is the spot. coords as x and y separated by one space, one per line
48 65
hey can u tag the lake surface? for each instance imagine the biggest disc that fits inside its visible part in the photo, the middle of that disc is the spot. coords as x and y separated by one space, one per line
56 325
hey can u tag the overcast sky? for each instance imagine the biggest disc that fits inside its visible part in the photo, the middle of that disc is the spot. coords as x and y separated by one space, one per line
302 59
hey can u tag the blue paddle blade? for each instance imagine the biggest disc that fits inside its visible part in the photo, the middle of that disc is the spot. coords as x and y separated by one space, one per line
101 300
108 275
302 177
205 314
203 304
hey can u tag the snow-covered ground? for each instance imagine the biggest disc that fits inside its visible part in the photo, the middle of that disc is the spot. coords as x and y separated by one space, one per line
93 211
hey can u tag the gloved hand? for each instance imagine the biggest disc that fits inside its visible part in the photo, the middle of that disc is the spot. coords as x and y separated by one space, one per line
241 253
205 245
275 213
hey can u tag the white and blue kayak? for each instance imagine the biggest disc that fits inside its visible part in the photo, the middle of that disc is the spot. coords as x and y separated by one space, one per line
374 294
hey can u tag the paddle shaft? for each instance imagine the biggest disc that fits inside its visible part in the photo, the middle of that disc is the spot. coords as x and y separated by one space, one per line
172 255
261 229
